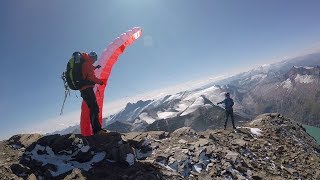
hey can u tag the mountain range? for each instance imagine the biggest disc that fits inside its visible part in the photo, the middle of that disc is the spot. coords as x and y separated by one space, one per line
290 87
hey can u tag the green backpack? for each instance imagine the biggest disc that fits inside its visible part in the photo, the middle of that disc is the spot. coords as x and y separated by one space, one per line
72 77
73 73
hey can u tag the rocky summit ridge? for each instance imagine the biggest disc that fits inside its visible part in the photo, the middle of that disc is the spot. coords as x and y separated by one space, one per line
269 147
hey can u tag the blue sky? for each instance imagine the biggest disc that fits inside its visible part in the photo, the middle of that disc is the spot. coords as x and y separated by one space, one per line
182 40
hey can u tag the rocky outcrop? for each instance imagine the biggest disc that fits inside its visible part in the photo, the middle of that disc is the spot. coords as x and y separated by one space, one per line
269 147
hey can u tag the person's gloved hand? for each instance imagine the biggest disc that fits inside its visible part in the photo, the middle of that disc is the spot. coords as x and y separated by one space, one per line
102 81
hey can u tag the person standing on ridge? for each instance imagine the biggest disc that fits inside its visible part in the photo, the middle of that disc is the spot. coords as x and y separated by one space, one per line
228 102
87 92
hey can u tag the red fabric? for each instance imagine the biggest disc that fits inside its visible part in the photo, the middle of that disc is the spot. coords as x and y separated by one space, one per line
88 71
86 129
106 67
87 74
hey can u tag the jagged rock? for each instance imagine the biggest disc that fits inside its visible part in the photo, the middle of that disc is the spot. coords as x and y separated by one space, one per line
201 142
182 141
32 177
23 140
183 132
19 169
239 142
75 174
232 156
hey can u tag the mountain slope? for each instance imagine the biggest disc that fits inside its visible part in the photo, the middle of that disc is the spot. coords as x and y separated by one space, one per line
196 109
290 87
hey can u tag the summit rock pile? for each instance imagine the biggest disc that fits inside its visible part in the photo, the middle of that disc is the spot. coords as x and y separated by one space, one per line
269 147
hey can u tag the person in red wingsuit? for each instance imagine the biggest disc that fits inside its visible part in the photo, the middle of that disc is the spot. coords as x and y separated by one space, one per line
87 92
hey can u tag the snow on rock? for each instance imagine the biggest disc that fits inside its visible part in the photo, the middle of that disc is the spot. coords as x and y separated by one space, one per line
287 84
63 163
198 168
165 115
304 78
130 159
142 155
173 97
199 102
145 117
181 107
258 76
256 131
201 92
85 148
305 67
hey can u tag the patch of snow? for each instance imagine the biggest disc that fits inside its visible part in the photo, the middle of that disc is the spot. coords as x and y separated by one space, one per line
165 115
304 79
287 84
198 167
63 163
141 155
199 102
15 146
85 148
130 159
308 67
258 76
173 97
145 117
166 166
146 142
174 165
181 107
197 94
305 67
256 131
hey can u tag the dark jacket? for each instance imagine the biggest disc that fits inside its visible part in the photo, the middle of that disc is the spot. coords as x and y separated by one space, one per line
228 103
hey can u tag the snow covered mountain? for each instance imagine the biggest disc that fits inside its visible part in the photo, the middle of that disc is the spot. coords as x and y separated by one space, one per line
196 109
290 87
279 87
295 94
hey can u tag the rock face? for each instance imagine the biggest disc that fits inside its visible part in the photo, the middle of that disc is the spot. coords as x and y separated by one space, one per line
269 147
